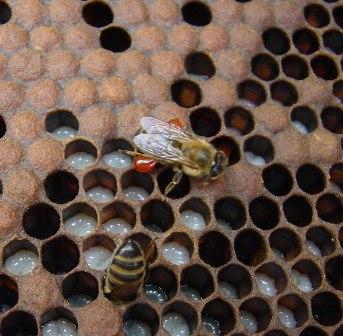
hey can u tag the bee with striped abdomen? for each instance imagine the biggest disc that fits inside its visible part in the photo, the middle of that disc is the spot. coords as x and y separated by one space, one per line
126 272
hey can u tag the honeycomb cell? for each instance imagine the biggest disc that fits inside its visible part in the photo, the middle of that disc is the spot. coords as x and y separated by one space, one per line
333 40
251 91
178 248
60 255
160 284
304 119
239 120
292 311
322 239
336 175
100 185
326 308
334 272
205 122
8 293
330 208
324 67
264 67
275 332
230 148
157 216
230 213
6 12
337 90
306 275
182 189
277 179
136 186
97 14
62 124
196 282
264 213
250 247
80 288
61 187
2 127
316 15
197 212
220 313
277 281
115 39
294 67
276 41
306 41
298 210
258 150
111 153
338 15
200 64
41 221
284 93
312 331
26 327
332 119
214 249
310 179
53 319
285 244
176 310
80 154
186 93
196 13
234 281
255 314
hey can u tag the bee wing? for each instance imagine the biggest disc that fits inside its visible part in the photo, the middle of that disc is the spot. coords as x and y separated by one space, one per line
155 126
161 148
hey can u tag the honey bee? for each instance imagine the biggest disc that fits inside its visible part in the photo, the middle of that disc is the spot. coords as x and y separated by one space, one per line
169 144
126 271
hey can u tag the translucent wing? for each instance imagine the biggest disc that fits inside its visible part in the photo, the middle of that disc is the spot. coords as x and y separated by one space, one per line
161 148
155 126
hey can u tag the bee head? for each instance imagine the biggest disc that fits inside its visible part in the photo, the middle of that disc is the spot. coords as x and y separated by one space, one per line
220 161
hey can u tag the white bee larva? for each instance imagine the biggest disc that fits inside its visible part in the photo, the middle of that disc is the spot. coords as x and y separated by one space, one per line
117 226
135 193
228 290
301 280
176 253
212 325
59 327
80 160
136 328
248 320
100 194
155 293
21 262
80 224
98 257
117 159
175 324
265 284
64 133
193 220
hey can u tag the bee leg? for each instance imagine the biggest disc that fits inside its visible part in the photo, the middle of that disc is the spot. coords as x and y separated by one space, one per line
175 181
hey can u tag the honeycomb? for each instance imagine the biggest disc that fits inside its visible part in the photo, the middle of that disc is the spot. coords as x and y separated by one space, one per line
261 79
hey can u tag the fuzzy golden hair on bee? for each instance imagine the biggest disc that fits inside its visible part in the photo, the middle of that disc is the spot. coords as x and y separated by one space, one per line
126 272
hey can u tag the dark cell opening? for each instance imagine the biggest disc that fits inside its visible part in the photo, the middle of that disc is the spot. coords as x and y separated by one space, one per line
326 308
8 293
214 249
334 272
230 212
305 40
310 179
239 120
196 13
250 247
100 177
19 323
275 332
115 145
252 92
324 67
182 189
322 238
316 15
294 67
276 273
310 269
5 12
259 146
115 39
2 127
312 331
264 67
205 122
337 90
336 175
276 41
186 93
61 187
277 179
330 208
333 40
332 119
298 210
304 119
157 216
338 15
284 93
41 221
200 64
118 210
264 213
80 145
285 242
97 14
60 255
297 306
60 118
133 178
229 146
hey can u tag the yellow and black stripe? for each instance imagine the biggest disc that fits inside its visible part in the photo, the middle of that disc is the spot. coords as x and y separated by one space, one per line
125 273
